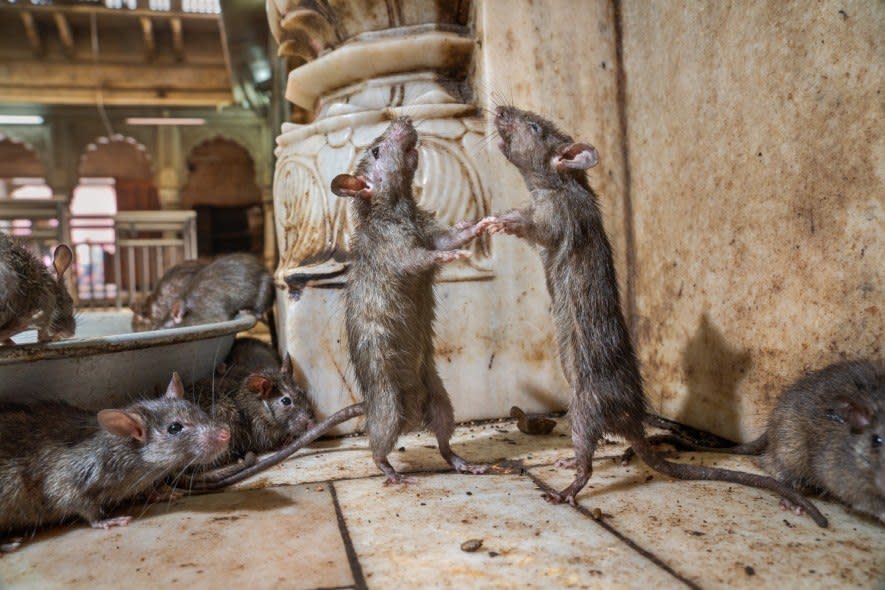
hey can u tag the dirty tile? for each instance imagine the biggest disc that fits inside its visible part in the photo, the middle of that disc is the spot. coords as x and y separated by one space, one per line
489 442
722 535
285 537
414 533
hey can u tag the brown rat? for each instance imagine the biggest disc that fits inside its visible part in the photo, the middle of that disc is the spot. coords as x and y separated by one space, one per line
224 287
397 249
597 356
249 354
825 435
257 398
58 462
153 312
31 297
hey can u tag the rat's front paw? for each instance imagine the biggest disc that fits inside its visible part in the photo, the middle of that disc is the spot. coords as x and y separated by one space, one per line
446 256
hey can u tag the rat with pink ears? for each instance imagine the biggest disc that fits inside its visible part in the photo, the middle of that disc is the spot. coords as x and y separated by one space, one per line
564 221
397 249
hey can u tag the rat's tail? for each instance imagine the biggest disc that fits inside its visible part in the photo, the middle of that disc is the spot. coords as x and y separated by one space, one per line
700 472
222 478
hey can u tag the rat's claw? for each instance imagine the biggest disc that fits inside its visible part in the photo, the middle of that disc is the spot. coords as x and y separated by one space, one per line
565 463
552 498
398 479
472 468
111 522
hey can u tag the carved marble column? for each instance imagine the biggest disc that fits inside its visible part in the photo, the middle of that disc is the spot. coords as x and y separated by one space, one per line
359 65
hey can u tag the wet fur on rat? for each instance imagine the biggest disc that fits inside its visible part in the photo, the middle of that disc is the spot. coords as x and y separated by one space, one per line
564 220
825 433
154 311
389 300
224 287
57 462
30 296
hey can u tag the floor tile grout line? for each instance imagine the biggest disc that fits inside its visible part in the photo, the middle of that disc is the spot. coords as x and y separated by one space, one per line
620 536
356 569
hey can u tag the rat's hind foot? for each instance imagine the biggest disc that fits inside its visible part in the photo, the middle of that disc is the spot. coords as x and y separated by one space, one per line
398 479
111 522
11 544
794 508
462 466
563 497
566 463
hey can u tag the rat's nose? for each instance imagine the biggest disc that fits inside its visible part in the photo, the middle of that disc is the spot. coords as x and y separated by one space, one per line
222 435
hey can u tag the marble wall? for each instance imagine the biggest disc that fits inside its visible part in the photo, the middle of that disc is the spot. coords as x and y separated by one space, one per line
741 178
757 159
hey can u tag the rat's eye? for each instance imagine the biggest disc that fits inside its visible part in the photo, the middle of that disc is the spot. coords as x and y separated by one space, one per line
375 151
286 401
534 127
877 441
174 428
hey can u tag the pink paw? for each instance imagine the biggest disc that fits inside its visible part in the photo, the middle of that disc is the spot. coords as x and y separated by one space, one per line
446 256
398 479
111 522
566 463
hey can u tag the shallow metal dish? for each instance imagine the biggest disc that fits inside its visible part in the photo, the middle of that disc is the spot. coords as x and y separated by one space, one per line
107 365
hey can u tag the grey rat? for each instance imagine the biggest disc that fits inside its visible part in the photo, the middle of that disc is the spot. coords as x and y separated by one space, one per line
227 285
257 398
153 312
824 434
397 249
59 462
31 297
597 356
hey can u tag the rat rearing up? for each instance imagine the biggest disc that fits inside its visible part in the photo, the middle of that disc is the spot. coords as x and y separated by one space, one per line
595 350
397 249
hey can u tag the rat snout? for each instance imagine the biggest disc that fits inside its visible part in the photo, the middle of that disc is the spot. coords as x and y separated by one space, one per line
403 133
217 438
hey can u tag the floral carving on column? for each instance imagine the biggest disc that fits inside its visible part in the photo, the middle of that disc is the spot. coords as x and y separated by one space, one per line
363 64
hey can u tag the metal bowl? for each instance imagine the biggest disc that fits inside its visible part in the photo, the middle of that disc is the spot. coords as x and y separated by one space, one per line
107 365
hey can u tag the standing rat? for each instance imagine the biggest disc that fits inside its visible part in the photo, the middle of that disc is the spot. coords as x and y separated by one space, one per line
151 313
257 398
597 356
30 297
397 249
227 285
58 461
824 434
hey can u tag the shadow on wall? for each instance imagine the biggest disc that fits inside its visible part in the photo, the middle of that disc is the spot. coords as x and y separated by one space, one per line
713 370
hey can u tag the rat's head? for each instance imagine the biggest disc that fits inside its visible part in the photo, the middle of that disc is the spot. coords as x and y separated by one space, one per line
861 409
168 432
387 169
535 146
285 404
62 323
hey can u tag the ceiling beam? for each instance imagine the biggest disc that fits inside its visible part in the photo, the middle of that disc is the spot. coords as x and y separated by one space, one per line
177 38
32 32
147 31
65 33
103 10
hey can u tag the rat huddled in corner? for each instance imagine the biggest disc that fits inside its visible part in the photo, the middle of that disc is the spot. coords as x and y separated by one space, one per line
824 435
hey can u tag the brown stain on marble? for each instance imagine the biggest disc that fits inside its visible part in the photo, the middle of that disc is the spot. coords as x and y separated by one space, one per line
756 181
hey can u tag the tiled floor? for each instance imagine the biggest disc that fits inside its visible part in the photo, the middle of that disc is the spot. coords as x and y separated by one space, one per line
324 520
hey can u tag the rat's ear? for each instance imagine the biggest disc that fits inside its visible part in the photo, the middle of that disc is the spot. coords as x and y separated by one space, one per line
123 423
852 411
175 389
61 260
260 386
287 365
577 156
347 185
